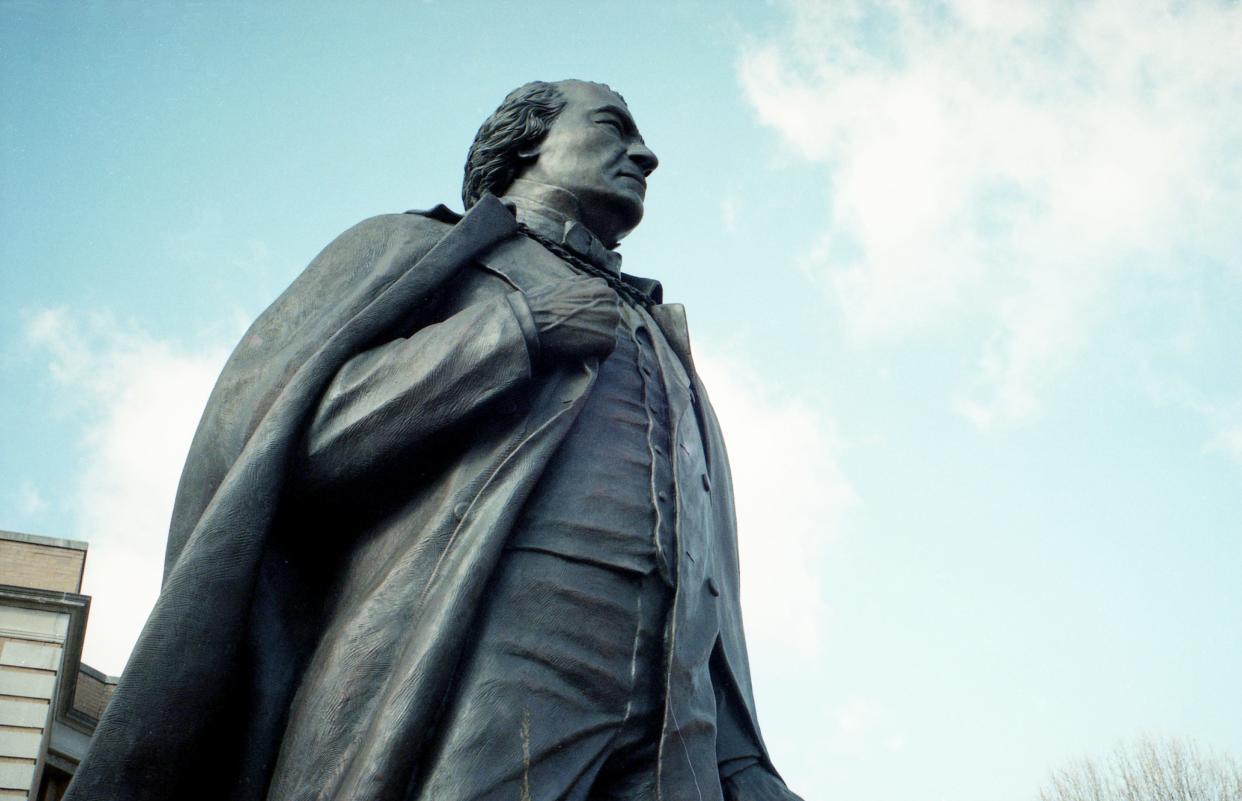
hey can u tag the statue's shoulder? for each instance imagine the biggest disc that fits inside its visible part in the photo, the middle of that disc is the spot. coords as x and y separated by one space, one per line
425 226
379 243
358 264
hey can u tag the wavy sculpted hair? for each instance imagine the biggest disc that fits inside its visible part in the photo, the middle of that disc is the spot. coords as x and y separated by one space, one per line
522 120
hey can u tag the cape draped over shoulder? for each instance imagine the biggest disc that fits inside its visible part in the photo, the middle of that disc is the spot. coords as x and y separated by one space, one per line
168 730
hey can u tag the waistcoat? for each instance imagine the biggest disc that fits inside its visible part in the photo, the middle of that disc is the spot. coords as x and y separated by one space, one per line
607 495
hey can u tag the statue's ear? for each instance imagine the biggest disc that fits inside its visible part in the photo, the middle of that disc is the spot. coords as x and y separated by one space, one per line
527 155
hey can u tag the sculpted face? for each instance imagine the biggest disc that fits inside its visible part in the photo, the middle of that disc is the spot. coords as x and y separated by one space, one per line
594 151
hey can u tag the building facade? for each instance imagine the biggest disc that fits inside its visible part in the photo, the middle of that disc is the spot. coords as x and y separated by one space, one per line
50 702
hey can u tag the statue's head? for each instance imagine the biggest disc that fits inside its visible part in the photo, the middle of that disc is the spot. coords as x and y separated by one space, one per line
574 135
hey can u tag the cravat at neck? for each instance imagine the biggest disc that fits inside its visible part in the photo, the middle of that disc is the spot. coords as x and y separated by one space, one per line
551 223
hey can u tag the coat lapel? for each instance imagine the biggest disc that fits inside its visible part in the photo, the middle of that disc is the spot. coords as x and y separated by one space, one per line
671 317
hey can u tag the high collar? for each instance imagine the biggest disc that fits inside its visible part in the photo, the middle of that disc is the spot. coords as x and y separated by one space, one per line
553 213
499 211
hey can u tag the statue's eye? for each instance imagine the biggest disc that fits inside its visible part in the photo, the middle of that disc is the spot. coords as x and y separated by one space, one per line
612 123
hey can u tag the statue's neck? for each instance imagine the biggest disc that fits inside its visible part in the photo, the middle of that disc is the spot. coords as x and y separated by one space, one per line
544 208
551 212
549 200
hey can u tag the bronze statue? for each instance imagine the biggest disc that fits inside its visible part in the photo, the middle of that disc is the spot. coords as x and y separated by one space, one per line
457 522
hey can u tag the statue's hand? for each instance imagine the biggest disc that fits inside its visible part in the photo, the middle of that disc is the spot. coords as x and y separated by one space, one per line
757 784
576 318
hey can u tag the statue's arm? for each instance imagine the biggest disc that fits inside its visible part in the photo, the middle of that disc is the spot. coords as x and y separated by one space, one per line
756 783
744 773
383 403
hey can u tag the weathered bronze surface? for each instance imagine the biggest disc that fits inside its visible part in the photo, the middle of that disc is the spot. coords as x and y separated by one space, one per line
457 522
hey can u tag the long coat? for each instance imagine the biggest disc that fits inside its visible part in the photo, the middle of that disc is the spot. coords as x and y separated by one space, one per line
262 538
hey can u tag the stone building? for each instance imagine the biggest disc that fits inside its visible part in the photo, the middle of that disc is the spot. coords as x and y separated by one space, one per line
49 701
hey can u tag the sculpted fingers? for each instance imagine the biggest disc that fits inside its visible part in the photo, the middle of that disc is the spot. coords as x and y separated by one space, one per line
575 318
598 309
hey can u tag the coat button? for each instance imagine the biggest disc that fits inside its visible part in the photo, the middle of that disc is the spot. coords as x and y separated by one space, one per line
707 482
459 511
712 588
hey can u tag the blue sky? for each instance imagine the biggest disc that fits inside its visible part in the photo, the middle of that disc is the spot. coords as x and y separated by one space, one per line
964 280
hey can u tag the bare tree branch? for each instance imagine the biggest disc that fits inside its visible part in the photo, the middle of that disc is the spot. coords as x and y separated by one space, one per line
1150 769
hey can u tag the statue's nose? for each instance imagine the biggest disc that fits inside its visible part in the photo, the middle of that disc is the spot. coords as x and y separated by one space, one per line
643 156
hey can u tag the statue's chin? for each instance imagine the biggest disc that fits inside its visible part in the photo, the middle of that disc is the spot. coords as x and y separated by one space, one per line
622 216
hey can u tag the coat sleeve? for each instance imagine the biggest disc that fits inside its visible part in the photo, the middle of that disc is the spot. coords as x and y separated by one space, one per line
383 403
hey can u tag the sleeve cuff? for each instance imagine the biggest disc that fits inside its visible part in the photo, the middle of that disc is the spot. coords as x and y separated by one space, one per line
733 766
526 320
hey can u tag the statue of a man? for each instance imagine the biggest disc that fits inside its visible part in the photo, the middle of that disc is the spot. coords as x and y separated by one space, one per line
457 523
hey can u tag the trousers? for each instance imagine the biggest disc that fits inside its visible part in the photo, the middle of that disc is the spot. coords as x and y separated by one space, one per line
562 696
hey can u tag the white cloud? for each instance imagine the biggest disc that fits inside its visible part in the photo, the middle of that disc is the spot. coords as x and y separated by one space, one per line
730 205
139 399
1008 165
29 501
855 727
861 729
789 494
1221 417
1229 440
